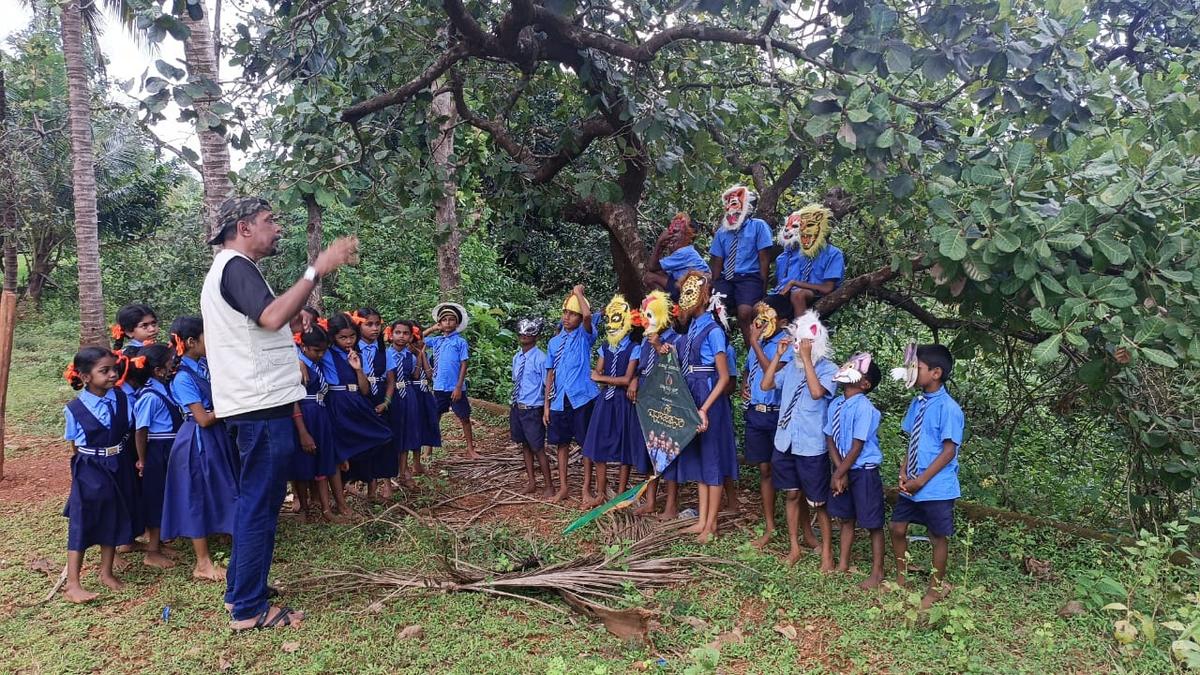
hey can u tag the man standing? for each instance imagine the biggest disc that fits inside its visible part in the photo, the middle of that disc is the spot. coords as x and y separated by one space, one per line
256 387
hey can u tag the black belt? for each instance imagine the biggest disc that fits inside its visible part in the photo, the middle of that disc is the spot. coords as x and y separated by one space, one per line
763 408
522 406
343 387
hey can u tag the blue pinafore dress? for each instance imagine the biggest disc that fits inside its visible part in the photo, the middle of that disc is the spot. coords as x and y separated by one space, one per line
158 453
407 414
200 497
356 426
431 428
711 457
614 434
319 423
102 509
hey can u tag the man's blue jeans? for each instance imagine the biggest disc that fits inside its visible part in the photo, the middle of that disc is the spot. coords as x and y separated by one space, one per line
265 448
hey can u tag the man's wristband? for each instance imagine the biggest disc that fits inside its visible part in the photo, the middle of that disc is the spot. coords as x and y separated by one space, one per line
310 274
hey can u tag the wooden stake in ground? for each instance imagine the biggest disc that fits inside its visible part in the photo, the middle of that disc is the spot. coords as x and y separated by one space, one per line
8 320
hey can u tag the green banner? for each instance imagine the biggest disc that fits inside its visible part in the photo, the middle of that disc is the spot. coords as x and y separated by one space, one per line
667 412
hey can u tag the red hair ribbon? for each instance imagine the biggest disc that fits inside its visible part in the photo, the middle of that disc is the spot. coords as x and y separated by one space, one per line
71 374
118 333
358 320
323 323
387 333
177 343
636 318
120 356
416 331
675 310
296 338
138 362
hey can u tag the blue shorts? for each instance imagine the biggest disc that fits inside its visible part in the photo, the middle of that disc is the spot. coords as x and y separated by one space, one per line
742 289
461 408
810 475
760 435
937 515
862 501
569 424
525 426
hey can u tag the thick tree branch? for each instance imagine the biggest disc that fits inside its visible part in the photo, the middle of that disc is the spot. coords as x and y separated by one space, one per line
467 26
936 323
401 94
853 288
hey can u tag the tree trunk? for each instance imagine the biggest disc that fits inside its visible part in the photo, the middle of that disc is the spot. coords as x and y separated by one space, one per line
202 64
314 243
8 207
449 234
628 254
40 266
83 179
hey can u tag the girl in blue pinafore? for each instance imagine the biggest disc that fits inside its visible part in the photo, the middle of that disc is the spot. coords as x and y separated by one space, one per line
711 457
383 464
647 358
200 498
101 508
136 326
407 413
156 421
314 468
431 427
613 434
357 427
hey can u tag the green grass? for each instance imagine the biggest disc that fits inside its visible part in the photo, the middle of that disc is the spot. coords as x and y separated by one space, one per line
1000 619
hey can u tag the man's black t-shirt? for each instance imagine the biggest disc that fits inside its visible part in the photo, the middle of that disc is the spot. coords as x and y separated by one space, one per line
244 288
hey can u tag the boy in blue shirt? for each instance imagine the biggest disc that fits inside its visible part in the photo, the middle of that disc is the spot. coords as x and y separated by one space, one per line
450 354
666 270
738 255
761 417
525 423
800 463
809 267
929 474
570 391
852 439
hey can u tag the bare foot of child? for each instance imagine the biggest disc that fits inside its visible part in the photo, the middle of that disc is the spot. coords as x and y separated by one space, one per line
936 593
669 515
843 567
559 496
827 567
704 537
111 581
646 509
471 454
548 493
157 559
762 541
208 572
274 617
530 488
694 529
870 582
794 556
120 564
78 595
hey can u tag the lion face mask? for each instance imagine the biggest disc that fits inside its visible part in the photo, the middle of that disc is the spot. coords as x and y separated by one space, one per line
617 320
807 229
739 202
656 312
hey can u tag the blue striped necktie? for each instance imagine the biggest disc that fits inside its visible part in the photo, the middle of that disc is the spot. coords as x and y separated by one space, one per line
837 430
520 376
914 437
651 359
806 272
786 417
372 378
611 366
558 354
730 263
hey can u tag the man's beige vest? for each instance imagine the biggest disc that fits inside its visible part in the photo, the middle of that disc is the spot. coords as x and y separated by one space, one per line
252 368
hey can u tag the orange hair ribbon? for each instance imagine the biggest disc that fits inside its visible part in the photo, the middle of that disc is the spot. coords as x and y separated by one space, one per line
117 332
636 318
178 344
138 362
296 338
354 316
323 323
120 356
675 311
387 333
416 331
71 374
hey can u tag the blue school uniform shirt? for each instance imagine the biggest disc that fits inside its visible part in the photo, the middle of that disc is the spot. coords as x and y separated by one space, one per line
943 421
367 351
329 369
859 421
149 411
755 373
183 387
714 343
569 355
531 388
829 265
448 352
804 435
682 261
102 408
753 236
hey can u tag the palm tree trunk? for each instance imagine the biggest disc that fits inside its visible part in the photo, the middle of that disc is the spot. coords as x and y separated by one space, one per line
201 56
83 179
449 234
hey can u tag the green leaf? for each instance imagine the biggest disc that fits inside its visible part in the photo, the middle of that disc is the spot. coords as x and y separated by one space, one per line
1070 7
1068 241
1046 351
936 67
1044 319
819 125
898 58
982 174
886 139
1005 241
953 245
1180 276
1149 329
902 186
1159 357
168 70
859 115
1020 157
1118 193
847 137
1110 248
